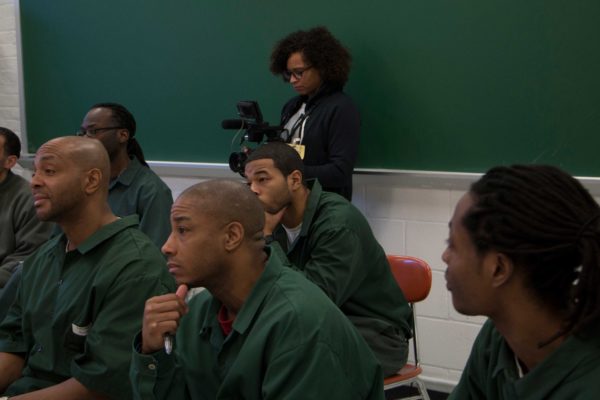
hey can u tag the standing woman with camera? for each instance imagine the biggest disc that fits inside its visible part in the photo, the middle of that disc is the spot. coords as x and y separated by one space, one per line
322 121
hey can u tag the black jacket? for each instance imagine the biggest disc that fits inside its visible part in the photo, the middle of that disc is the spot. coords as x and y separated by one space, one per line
331 135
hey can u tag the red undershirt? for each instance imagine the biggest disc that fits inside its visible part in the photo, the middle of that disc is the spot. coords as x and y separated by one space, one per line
226 324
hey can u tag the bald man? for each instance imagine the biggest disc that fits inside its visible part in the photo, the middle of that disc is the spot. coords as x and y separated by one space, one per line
259 331
68 333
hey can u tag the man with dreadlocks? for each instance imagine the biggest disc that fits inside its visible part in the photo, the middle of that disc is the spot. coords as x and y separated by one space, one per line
134 187
524 250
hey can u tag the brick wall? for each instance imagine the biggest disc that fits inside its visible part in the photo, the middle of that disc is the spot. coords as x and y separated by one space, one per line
414 221
9 82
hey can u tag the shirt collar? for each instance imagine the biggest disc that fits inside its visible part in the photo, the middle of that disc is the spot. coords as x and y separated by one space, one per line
107 231
309 212
557 367
311 205
261 289
325 90
541 381
506 362
128 176
9 177
210 321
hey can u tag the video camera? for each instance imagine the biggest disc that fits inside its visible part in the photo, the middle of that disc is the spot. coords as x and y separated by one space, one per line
256 130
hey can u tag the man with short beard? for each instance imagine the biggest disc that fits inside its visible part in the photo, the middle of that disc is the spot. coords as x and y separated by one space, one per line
82 293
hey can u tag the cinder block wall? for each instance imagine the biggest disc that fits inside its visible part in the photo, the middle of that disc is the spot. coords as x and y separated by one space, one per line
9 82
414 222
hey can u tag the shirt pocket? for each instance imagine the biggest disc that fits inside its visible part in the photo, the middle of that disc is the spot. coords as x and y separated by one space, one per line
75 337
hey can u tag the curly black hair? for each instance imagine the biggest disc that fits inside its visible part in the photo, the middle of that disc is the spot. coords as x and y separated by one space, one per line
319 49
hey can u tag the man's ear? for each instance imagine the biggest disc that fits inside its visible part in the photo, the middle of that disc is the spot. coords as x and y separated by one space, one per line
295 180
500 268
123 135
93 181
10 162
234 236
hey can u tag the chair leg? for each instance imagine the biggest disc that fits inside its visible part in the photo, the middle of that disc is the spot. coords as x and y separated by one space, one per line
420 386
422 389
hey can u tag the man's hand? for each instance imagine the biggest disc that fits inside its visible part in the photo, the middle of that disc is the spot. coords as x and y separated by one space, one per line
71 389
272 220
11 366
161 317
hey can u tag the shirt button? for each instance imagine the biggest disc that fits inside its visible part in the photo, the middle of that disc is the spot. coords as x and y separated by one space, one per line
152 367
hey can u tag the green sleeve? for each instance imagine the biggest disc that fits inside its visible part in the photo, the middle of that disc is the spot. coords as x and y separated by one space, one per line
336 263
12 339
472 381
156 376
155 214
316 372
29 233
8 293
104 364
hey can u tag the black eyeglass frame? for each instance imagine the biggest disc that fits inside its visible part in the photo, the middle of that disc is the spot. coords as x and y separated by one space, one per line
297 73
94 132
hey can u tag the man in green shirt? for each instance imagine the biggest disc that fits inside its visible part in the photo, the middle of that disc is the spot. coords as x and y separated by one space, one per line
331 243
524 250
22 231
81 297
259 331
134 187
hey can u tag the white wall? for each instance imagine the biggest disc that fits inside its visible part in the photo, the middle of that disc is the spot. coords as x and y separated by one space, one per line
9 87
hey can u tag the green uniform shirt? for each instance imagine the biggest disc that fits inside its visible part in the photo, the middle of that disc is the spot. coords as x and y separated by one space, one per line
336 250
75 312
288 342
138 190
21 232
571 372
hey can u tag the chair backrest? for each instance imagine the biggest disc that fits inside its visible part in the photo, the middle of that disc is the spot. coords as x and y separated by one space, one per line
413 275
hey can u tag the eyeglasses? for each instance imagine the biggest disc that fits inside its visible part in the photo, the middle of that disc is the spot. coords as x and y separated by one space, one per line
296 73
94 132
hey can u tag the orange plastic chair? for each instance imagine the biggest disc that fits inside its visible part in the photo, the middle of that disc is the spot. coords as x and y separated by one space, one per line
413 275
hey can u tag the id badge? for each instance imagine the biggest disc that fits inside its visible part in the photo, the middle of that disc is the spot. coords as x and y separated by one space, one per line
299 148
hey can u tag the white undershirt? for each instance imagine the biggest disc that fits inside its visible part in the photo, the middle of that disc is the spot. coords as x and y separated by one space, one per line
519 369
292 234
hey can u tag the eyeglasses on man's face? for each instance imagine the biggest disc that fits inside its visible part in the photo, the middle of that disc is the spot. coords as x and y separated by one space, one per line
95 131
296 73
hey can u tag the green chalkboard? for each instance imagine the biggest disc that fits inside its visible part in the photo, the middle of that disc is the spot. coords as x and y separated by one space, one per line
441 85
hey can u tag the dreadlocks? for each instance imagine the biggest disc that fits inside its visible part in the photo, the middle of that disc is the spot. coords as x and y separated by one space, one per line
123 118
548 224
